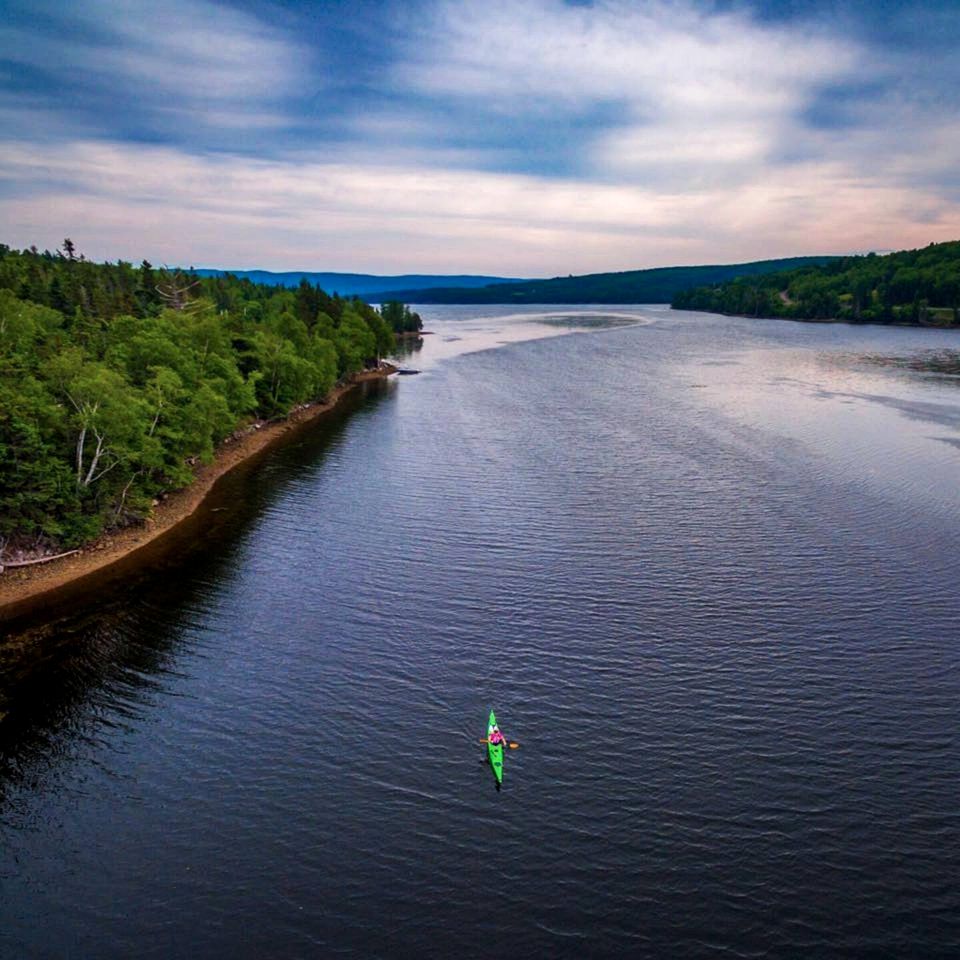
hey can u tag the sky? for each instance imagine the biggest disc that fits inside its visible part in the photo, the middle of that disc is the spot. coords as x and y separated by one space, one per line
524 138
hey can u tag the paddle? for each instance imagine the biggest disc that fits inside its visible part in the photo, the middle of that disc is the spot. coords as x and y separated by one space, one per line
513 746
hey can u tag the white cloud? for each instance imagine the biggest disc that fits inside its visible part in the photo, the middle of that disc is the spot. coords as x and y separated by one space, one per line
180 57
194 48
697 94
134 201
613 50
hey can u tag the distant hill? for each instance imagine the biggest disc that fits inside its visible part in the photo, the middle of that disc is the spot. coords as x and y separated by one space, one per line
362 285
659 285
919 287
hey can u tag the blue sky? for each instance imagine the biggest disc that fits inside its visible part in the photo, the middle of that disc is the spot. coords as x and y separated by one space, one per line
523 138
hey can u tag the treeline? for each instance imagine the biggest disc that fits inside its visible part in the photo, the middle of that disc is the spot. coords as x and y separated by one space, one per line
656 285
115 379
913 286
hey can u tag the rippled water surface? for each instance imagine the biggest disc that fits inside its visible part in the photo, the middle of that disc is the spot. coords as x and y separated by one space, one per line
704 568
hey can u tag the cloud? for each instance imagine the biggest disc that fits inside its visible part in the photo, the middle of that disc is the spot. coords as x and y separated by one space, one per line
533 137
170 206
148 68
685 96
615 50
695 93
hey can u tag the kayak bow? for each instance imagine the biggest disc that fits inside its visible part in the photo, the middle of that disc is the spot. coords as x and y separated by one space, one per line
495 750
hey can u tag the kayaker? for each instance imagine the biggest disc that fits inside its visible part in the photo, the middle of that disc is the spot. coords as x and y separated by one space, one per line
496 736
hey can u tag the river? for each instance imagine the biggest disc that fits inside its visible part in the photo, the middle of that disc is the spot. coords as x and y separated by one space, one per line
704 568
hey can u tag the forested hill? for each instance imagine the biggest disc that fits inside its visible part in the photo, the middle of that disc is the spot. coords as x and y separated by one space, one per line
913 286
356 284
114 379
658 285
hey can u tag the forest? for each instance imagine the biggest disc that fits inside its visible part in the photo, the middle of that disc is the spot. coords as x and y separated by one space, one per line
914 287
115 380
654 285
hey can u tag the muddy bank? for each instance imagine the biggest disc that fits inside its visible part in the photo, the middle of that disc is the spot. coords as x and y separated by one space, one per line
23 590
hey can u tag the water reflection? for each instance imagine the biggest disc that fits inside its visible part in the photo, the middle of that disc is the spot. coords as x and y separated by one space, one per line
407 347
94 660
79 679
455 330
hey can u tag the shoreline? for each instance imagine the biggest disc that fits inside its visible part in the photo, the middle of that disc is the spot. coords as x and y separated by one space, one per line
23 589
850 323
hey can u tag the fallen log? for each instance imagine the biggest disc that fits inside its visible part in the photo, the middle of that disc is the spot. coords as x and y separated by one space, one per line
29 563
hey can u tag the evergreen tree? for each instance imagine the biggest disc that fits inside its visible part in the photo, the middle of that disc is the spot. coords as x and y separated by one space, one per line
115 378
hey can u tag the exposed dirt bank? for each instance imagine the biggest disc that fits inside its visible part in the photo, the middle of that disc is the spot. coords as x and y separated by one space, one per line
25 589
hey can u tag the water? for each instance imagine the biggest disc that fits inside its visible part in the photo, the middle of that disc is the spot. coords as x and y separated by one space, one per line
704 568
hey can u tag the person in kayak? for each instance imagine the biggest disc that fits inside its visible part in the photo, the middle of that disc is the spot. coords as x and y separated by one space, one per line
497 737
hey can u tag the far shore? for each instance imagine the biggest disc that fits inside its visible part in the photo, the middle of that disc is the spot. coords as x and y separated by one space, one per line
849 322
25 589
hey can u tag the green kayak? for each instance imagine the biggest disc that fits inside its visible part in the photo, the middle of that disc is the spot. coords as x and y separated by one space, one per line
495 750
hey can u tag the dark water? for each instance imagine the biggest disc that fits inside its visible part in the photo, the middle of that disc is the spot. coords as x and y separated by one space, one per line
705 569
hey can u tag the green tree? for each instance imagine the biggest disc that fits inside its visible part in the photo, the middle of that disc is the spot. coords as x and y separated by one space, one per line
355 341
109 418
